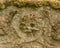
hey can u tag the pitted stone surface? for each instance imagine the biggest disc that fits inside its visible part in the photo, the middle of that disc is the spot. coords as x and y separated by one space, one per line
29 27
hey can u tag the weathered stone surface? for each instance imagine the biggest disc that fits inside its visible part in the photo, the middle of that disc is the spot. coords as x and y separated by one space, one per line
29 24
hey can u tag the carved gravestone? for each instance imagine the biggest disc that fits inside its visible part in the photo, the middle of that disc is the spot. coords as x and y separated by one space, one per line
29 24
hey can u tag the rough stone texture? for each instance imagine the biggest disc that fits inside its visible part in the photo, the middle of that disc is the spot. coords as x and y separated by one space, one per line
29 24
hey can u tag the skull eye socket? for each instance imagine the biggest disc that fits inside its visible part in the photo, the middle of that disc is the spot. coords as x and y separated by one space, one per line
32 25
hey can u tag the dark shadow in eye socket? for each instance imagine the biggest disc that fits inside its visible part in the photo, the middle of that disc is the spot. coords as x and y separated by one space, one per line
32 25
